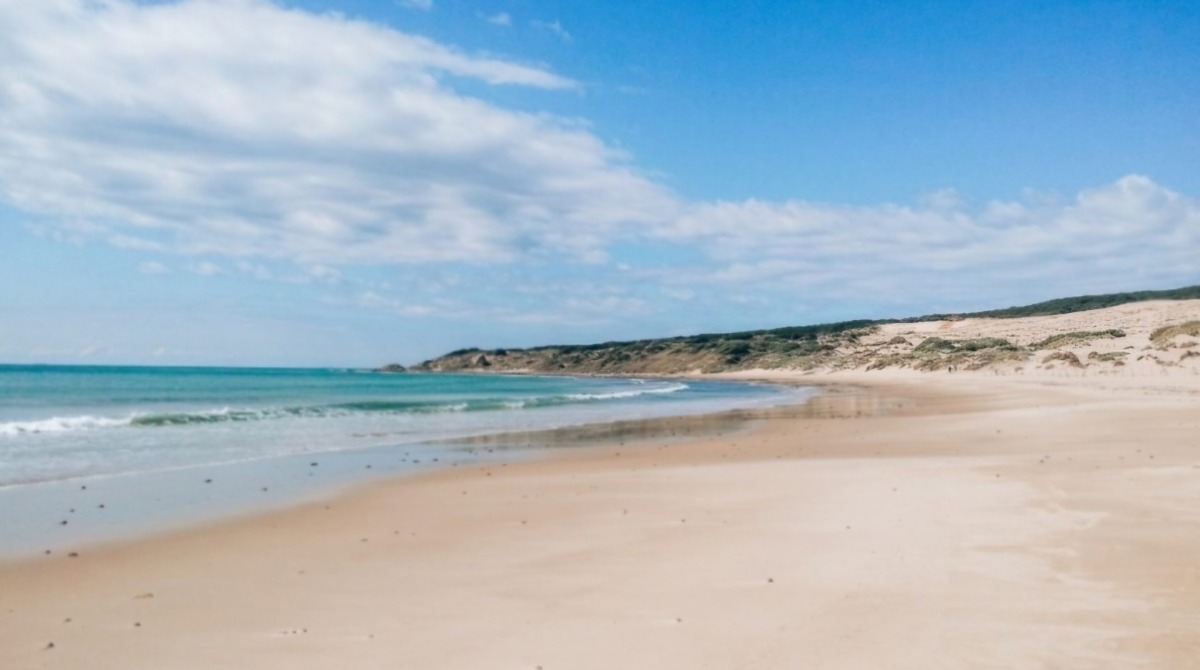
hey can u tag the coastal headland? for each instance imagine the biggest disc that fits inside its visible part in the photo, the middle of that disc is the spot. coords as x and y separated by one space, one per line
1035 511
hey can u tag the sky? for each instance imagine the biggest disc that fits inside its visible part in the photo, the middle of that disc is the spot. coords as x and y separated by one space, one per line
313 183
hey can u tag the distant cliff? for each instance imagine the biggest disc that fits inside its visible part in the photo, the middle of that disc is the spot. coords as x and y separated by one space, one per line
1045 335
838 346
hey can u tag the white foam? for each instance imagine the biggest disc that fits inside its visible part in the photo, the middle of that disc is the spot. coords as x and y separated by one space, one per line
61 424
674 388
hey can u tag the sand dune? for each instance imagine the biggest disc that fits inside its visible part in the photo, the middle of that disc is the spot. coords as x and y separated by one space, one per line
1132 355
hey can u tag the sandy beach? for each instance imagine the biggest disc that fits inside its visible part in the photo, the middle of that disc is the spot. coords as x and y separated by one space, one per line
1046 519
444 335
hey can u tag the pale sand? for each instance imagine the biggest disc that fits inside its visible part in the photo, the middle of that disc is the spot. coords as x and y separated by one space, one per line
987 522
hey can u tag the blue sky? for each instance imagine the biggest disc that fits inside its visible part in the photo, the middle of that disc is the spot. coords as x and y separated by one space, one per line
313 183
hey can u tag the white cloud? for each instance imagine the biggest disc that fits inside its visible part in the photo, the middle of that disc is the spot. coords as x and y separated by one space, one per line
554 27
676 293
324 273
375 301
255 270
1130 232
507 299
206 269
152 268
499 19
216 127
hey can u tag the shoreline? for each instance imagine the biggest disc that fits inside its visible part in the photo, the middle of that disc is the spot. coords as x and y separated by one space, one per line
90 509
980 518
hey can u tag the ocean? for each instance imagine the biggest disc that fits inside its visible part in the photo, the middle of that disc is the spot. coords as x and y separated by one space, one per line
168 445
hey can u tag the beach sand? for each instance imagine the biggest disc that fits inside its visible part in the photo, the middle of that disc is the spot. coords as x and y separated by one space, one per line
912 520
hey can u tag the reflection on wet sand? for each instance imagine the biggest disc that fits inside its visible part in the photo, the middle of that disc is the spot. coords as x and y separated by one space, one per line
833 402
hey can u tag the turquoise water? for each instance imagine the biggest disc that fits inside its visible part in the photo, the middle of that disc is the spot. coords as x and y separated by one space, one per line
59 422
91 454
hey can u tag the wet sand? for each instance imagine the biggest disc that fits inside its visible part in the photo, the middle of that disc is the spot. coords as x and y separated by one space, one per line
962 521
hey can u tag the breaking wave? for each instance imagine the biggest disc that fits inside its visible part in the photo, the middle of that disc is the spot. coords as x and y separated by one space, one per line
63 424
234 415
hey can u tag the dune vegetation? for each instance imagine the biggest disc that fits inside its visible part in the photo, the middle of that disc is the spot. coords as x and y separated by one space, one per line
859 344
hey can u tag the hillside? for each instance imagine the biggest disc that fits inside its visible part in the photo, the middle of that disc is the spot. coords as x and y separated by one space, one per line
1106 331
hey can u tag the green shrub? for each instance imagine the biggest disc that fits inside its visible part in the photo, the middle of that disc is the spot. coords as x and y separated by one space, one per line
939 345
986 343
1164 335
934 345
1076 337
1064 356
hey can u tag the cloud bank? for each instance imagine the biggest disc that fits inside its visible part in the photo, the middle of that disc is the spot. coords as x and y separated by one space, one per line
1132 230
239 127
242 129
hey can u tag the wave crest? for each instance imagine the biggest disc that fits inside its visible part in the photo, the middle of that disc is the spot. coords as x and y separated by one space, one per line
61 424
234 415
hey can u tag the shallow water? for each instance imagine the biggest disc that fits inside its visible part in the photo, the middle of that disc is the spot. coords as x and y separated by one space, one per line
114 452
